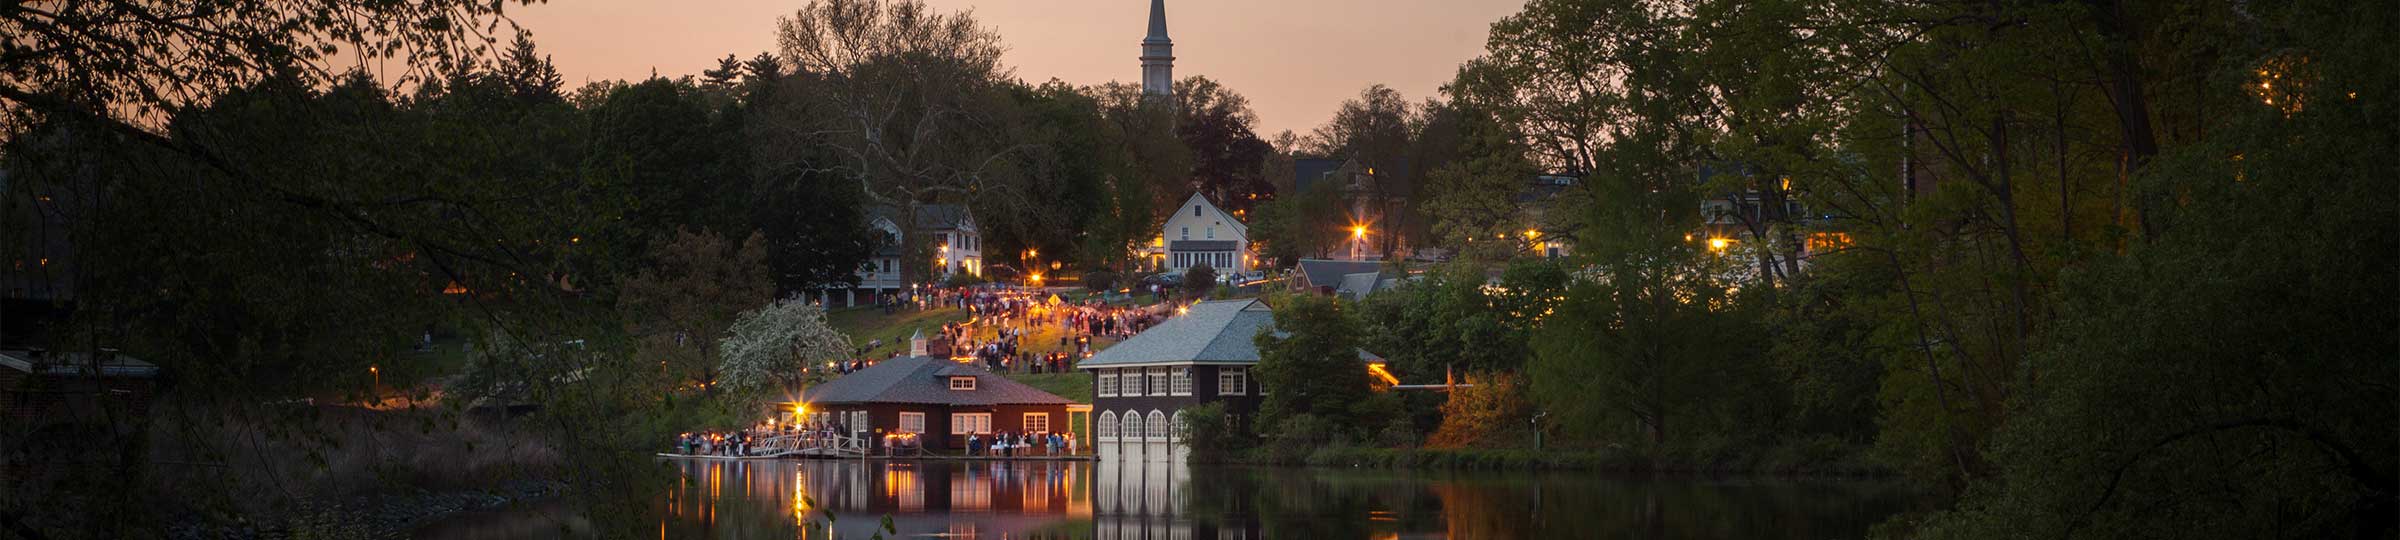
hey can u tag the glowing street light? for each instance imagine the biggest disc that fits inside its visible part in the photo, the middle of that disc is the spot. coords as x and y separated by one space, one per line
1719 244
1358 231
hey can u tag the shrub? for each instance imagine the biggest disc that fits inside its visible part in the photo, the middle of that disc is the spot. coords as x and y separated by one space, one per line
1101 280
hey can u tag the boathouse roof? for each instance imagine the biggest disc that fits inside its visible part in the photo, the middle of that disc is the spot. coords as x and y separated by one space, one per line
1215 332
926 380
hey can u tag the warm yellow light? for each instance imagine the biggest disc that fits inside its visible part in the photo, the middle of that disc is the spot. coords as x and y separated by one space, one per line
1035 277
1358 231
1530 233
1719 244
1383 375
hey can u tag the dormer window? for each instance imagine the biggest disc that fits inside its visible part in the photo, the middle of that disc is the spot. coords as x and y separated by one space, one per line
962 383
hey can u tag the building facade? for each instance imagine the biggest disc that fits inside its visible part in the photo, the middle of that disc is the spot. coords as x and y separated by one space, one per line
1201 233
957 249
1206 355
940 401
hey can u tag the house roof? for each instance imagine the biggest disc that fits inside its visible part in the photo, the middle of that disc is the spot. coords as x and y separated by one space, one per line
1329 272
926 380
1306 172
76 364
1200 245
1239 229
1215 332
930 217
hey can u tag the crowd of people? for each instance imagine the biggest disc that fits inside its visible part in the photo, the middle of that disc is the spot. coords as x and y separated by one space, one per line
745 442
1012 316
1005 444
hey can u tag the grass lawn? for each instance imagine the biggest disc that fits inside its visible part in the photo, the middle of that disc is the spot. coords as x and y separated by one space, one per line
1076 387
867 324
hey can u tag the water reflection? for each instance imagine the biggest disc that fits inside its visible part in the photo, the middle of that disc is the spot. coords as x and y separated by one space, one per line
1168 501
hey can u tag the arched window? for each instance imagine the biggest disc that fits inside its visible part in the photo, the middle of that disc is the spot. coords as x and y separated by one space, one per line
1176 422
1158 425
1133 425
1108 425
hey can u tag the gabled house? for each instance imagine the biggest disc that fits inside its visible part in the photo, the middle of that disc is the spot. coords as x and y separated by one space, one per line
950 230
1205 355
940 400
1201 233
1326 276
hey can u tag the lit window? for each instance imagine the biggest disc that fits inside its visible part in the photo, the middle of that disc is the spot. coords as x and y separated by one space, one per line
962 383
1036 422
1232 381
912 422
970 423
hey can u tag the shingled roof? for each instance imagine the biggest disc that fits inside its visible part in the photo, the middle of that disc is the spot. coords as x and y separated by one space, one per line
1216 332
1329 272
926 380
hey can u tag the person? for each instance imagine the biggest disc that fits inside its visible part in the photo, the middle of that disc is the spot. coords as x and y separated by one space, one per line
1070 443
972 444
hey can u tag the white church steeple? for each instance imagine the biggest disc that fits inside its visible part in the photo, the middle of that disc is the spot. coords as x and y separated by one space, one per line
1158 54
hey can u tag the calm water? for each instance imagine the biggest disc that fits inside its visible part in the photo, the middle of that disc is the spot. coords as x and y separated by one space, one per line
1109 500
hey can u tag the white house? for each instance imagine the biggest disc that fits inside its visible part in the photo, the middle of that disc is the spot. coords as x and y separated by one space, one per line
1200 233
957 248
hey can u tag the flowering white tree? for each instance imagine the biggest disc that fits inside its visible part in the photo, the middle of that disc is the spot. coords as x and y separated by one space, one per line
768 346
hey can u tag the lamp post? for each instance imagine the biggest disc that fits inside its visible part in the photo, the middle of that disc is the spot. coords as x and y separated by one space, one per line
1536 422
378 373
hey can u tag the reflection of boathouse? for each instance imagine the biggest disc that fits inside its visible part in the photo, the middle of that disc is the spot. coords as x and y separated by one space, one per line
1204 355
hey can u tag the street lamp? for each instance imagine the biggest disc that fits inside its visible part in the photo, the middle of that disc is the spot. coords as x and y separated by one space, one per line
378 373
1358 231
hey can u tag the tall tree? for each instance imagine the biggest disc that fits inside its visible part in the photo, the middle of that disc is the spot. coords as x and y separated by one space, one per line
909 99
696 287
1227 156
1309 363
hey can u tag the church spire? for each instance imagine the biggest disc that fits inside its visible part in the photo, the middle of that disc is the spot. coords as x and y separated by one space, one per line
1158 54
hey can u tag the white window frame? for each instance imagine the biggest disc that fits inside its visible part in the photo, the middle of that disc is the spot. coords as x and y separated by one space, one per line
1133 426
1179 381
1157 426
1027 422
968 379
1108 425
1108 383
904 420
1158 381
1233 377
970 423
1129 382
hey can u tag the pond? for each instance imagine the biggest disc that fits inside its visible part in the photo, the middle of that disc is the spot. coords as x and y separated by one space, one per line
1113 500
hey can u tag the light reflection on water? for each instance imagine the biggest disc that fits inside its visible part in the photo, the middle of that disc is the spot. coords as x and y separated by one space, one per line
1137 500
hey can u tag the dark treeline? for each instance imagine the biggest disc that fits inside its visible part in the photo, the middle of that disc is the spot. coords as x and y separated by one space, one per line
2101 269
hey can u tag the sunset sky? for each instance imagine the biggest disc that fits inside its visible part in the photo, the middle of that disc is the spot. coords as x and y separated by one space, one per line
1295 59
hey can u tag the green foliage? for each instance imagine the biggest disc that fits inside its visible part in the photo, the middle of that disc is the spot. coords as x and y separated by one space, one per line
1445 321
1209 433
698 286
1310 366
1301 224
1198 281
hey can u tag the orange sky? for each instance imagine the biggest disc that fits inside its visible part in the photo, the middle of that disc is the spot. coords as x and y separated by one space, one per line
1295 59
